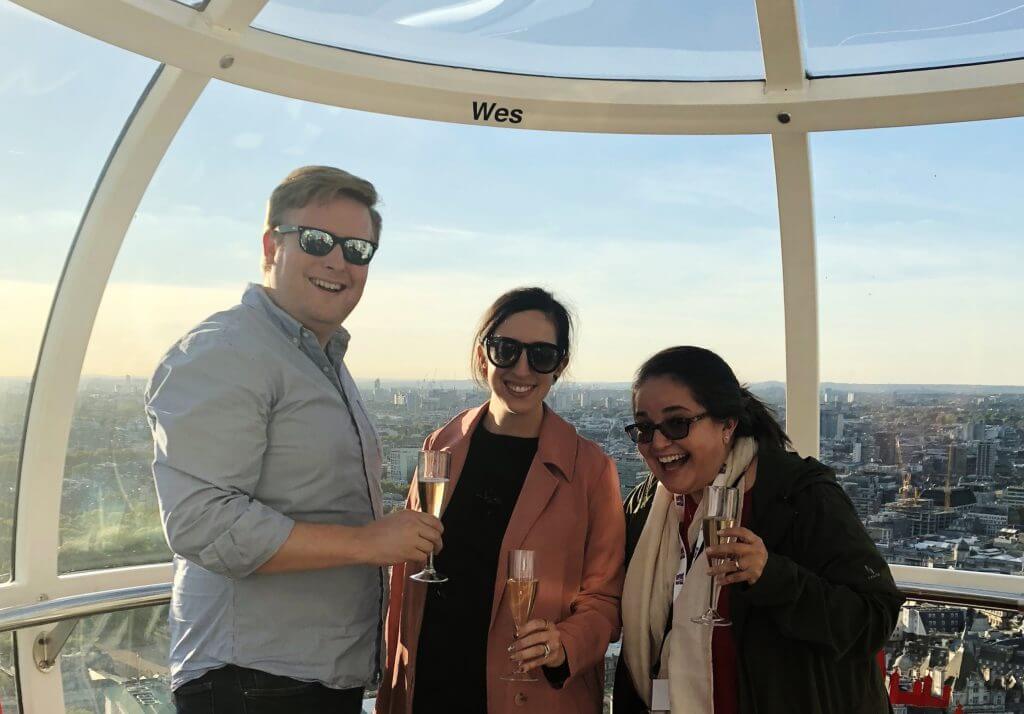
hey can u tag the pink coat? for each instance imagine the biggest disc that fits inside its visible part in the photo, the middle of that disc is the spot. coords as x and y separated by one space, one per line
570 512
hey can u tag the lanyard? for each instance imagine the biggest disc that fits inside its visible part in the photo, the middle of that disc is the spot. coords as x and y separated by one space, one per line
686 557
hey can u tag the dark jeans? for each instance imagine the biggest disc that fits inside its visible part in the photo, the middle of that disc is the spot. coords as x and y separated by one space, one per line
237 690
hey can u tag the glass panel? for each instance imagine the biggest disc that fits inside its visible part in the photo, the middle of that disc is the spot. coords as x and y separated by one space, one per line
117 662
920 254
647 254
859 36
109 514
923 399
47 172
9 700
954 659
596 40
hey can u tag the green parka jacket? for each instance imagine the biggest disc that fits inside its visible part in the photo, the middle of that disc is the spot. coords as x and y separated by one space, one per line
808 631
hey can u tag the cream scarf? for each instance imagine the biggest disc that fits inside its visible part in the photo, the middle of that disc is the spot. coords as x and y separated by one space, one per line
648 593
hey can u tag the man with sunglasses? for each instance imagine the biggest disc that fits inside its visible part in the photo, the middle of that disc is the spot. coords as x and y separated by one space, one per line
268 473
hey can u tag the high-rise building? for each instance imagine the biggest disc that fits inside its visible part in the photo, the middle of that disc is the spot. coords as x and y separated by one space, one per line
986 458
857 456
1013 496
830 422
885 447
402 463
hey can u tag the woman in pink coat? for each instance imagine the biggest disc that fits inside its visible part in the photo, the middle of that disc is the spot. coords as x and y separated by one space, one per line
521 478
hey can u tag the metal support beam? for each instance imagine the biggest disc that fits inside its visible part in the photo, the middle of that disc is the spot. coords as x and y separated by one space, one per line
800 288
233 15
779 25
48 645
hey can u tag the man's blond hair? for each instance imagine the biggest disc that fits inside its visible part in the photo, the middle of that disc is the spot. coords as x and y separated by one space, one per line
319 184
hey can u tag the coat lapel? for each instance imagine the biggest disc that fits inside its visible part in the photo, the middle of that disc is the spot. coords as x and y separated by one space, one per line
458 445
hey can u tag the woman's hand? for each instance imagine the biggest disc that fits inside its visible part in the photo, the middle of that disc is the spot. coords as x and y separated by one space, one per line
740 561
539 644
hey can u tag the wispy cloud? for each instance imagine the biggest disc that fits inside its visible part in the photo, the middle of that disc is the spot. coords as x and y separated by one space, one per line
705 186
24 81
247 140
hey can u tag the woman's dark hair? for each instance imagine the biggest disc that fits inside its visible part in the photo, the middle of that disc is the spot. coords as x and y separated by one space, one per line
521 300
715 387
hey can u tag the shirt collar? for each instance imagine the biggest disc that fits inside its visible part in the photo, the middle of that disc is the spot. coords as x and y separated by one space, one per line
258 299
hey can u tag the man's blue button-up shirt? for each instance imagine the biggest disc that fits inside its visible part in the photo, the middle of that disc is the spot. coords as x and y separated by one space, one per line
255 427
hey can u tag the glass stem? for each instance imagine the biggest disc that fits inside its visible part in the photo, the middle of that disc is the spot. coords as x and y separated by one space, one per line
711 596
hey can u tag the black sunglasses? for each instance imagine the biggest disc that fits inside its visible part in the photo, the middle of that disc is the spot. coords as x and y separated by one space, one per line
318 242
672 428
543 357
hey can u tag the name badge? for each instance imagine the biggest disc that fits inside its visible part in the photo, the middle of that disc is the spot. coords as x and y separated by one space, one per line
659 696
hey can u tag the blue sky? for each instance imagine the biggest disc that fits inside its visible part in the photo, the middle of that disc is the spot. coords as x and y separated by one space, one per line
654 240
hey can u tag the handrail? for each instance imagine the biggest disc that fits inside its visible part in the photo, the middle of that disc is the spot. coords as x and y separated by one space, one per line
98 603
76 606
964 596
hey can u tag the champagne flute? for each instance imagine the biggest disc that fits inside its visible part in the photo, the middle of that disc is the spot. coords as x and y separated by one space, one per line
432 472
522 594
723 505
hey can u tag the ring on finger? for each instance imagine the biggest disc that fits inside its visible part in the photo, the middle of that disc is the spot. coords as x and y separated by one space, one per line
547 650
736 563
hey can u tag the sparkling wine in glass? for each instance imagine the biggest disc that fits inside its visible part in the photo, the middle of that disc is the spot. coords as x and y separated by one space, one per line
722 512
432 473
521 590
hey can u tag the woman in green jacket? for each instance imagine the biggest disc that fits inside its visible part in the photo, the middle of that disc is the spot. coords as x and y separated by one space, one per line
810 599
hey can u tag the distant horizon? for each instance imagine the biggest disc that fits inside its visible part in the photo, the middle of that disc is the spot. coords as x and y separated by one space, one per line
770 383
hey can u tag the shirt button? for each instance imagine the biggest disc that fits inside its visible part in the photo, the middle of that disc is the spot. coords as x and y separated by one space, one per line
326 369
520 699
295 340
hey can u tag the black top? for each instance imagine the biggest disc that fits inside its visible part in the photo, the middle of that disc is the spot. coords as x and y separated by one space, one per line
451 660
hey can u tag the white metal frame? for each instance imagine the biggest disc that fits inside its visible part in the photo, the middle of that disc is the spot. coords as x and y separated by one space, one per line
219 43
181 37
799 288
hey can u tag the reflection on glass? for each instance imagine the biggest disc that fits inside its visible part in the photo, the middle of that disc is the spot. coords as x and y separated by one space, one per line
118 663
859 36
596 40
9 702
109 511
48 167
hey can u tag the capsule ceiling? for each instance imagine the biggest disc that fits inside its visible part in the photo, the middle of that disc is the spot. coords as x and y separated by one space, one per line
608 39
